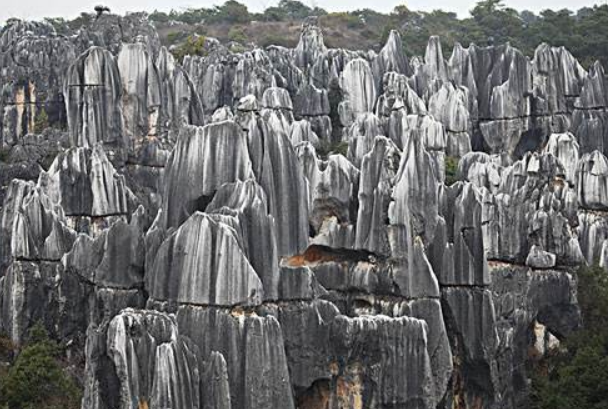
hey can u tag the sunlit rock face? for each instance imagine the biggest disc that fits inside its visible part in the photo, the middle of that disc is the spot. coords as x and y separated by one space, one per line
212 268
93 94
296 228
203 159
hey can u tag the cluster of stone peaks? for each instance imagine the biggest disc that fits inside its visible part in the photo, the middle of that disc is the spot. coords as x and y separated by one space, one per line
273 229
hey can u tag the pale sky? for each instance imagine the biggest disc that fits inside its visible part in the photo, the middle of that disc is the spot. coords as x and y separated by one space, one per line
36 9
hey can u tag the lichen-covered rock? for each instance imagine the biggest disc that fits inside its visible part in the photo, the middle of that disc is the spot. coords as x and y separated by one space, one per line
203 263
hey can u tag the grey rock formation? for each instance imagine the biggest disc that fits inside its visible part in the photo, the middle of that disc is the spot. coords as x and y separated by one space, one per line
246 201
361 134
592 179
331 184
538 258
457 253
141 94
391 59
283 216
84 183
450 106
391 359
93 100
203 159
378 170
203 263
180 103
33 59
357 84
533 206
147 359
565 148
253 349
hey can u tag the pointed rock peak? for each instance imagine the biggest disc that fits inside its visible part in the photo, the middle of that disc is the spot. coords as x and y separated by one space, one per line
165 63
311 45
433 59
392 57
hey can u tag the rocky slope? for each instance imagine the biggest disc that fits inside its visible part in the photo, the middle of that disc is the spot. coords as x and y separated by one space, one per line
197 244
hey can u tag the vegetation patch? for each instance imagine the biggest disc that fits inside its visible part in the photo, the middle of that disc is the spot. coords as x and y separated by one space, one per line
35 378
576 375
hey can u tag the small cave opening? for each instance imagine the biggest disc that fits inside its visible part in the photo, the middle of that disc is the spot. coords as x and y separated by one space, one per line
199 204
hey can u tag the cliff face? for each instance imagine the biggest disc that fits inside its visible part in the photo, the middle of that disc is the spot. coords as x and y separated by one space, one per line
205 239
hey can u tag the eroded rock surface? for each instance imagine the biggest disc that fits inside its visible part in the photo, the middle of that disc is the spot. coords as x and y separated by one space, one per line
308 227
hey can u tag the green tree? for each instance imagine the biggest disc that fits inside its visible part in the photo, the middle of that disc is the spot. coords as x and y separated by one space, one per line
232 12
451 170
498 23
577 376
36 379
194 45
41 122
237 34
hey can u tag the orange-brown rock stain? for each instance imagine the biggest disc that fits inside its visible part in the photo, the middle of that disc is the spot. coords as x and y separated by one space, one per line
318 396
143 404
313 254
321 254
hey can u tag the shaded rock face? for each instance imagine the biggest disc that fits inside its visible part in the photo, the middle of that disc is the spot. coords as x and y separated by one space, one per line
273 229
33 59
152 364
